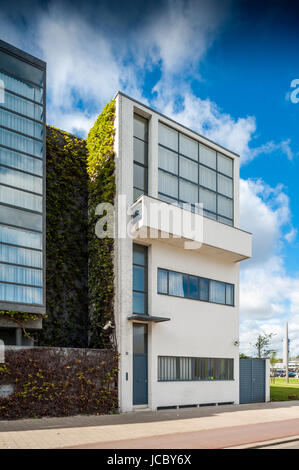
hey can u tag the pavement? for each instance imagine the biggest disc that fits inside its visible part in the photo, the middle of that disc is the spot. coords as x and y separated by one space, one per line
230 426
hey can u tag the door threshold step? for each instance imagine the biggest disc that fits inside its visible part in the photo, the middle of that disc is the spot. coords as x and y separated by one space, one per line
141 408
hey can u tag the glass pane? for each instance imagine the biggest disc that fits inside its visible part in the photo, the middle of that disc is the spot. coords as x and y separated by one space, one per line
207 156
20 142
21 162
168 137
140 151
138 278
168 184
22 88
225 165
188 169
225 207
18 198
193 287
16 236
204 289
162 281
20 124
188 191
177 284
188 147
139 303
207 177
18 275
139 254
140 177
168 199
20 218
229 294
22 106
28 295
139 339
224 220
137 193
208 199
21 180
217 292
14 255
210 215
225 186
140 127
168 160
20 68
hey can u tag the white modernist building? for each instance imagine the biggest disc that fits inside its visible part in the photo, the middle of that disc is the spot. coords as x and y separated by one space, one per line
177 274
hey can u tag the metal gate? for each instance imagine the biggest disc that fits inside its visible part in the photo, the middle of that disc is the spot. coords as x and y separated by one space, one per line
252 380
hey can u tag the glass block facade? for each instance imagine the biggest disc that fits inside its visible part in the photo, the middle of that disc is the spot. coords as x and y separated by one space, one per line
22 176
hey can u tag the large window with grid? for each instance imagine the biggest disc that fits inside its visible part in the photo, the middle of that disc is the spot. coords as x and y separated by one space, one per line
190 172
172 368
140 185
22 137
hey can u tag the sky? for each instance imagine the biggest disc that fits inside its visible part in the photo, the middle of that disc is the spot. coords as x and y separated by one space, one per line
225 68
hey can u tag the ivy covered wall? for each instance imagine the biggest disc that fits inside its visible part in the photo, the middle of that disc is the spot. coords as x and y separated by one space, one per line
66 324
101 188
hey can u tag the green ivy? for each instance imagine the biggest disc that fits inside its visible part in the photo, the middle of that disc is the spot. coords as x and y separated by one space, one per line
66 242
101 187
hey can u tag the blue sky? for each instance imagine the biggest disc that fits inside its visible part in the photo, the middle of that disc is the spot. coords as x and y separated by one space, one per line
221 67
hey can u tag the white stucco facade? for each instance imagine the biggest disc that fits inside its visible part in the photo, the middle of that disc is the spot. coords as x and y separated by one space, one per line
195 328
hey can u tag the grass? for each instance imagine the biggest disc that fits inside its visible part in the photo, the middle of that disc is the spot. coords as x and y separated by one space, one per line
280 390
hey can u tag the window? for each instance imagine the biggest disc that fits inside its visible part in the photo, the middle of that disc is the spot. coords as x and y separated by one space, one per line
140 279
193 287
194 368
193 173
22 131
140 156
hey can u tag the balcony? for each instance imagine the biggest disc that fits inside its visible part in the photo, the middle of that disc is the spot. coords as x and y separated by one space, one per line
157 220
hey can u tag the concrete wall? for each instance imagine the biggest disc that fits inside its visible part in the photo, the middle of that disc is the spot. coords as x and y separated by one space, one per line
195 328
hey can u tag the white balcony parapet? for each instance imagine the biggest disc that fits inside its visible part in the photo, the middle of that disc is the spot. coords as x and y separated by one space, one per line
155 219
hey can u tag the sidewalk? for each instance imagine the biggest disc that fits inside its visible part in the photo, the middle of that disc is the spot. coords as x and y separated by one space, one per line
170 429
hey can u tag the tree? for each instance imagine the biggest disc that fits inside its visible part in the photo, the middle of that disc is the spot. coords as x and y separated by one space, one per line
262 345
243 356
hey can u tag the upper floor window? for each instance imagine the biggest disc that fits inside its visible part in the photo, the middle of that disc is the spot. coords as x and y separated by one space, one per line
140 156
140 279
190 172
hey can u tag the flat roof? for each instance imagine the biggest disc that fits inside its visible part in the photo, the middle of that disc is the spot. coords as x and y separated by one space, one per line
176 122
5 46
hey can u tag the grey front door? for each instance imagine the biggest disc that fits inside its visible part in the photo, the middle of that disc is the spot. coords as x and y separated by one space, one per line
252 380
140 369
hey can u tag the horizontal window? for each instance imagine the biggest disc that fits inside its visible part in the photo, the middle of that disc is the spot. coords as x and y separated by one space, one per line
21 180
194 287
171 368
21 294
20 275
20 142
22 88
19 198
16 236
22 106
21 124
21 161
15 255
20 218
